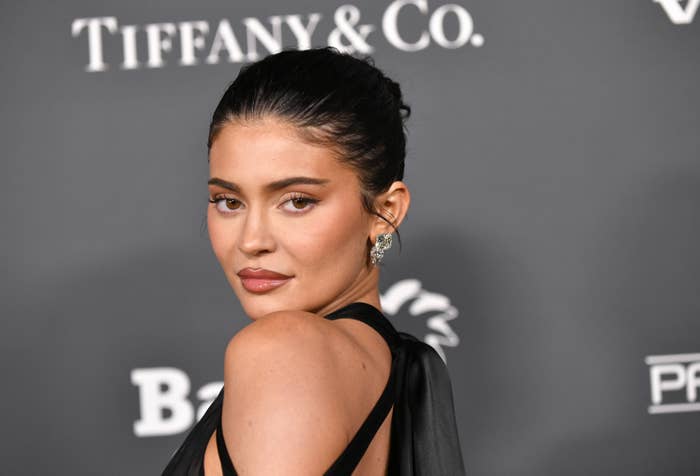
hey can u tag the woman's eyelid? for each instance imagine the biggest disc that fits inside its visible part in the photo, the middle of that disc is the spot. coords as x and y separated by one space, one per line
220 195
285 196
308 201
292 195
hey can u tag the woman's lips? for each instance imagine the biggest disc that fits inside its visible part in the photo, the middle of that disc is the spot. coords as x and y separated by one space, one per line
261 280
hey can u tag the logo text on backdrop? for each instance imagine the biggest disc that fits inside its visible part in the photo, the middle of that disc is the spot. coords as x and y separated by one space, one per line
677 13
201 42
675 380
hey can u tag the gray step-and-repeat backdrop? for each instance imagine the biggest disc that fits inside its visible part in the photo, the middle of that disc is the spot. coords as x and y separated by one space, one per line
551 254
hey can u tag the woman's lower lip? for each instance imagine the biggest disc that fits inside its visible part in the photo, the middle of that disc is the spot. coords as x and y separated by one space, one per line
256 285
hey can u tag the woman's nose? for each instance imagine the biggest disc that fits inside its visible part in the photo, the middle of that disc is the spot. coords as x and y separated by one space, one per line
256 236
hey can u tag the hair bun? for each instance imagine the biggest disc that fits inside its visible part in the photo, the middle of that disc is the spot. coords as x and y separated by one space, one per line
395 89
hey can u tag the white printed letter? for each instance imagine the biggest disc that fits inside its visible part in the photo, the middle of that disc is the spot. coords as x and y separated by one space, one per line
94 26
693 379
255 29
301 32
191 39
156 44
129 39
437 30
658 385
153 400
225 39
391 30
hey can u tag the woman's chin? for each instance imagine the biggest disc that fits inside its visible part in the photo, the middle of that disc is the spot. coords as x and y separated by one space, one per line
257 306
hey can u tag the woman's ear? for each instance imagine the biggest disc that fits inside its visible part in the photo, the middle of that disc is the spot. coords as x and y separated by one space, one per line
392 205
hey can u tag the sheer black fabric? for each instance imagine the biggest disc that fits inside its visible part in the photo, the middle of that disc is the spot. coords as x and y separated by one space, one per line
424 437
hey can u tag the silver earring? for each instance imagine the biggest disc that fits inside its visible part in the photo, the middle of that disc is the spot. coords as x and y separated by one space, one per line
382 244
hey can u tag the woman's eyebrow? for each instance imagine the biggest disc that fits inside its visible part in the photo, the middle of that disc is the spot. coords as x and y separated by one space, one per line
225 184
272 186
280 184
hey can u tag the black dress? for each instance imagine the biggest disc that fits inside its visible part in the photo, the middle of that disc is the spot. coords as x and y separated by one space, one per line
424 437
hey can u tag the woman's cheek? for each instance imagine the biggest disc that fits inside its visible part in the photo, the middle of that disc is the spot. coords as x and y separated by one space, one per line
221 239
318 242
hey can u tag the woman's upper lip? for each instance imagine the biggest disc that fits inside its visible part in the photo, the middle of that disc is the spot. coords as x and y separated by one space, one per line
259 273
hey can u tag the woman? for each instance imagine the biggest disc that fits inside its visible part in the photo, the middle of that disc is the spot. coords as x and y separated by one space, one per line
306 157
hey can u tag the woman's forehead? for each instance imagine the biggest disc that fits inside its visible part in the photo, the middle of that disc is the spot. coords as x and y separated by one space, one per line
271 149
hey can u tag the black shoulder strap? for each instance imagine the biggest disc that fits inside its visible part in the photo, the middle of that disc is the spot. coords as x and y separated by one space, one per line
353 453
226 464
351 456
373 317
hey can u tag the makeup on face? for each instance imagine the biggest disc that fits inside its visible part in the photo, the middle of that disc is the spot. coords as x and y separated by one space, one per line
286 220
259 280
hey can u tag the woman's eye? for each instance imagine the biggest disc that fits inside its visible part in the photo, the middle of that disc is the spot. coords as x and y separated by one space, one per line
299 204
226 205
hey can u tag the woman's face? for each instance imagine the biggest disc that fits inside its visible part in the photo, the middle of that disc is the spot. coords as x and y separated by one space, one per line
290 207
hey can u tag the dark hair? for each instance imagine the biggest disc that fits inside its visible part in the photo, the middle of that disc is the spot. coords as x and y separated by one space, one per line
334 99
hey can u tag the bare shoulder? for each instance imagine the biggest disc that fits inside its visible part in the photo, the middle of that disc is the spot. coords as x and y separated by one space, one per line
286 403
278 328
300 343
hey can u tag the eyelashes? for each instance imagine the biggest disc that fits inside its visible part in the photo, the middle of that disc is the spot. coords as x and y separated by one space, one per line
299 203
225 200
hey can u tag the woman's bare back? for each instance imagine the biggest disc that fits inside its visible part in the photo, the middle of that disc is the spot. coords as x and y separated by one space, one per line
361 362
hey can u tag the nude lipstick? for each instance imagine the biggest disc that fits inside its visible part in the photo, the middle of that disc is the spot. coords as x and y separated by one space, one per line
258 280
